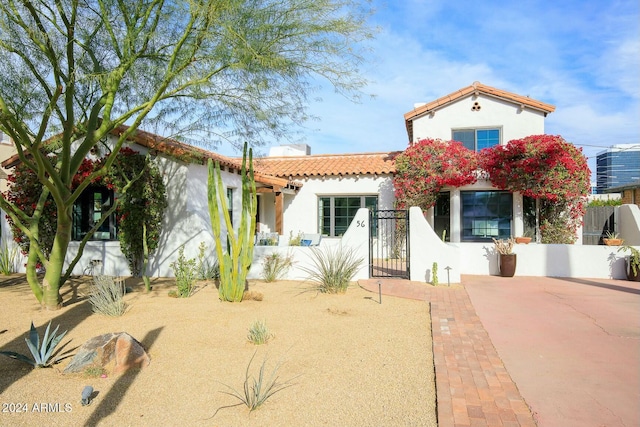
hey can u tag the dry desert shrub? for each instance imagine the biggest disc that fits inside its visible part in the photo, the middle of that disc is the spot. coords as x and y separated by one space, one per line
252 295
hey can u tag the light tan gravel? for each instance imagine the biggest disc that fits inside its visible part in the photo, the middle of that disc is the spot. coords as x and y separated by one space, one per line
353 361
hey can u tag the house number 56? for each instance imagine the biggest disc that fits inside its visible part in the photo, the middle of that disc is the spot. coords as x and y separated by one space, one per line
360 223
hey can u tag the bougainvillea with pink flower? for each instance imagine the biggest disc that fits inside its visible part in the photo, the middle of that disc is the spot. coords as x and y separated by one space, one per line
427 166
545 167
548 168
24 192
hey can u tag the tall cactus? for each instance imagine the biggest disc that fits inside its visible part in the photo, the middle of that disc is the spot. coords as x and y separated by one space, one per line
236 256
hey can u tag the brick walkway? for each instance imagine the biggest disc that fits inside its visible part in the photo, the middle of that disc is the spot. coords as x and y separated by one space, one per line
473 387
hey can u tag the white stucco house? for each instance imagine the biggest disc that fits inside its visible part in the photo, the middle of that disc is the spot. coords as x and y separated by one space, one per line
331 195
480 116
288 201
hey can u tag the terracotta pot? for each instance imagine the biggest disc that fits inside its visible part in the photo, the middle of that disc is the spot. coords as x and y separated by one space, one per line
523 240
507 265
613 242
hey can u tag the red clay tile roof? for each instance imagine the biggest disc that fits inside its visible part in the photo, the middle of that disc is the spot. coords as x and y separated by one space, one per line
185 152
176 148
196 154
475 88
328 165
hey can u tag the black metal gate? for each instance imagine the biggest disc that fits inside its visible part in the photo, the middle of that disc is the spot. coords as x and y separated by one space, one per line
389 243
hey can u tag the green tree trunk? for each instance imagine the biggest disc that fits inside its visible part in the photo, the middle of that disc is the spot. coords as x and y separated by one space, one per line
51 283
32 274
145 258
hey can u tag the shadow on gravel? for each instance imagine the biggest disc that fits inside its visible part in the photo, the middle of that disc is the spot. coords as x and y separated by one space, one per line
109 403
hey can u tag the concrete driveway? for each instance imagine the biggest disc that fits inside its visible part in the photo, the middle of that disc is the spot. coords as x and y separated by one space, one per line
572 346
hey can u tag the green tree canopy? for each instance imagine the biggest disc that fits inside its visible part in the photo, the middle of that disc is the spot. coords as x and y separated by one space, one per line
219 70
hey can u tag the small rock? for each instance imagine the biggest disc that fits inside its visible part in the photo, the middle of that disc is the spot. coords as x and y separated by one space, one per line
86 395
117 350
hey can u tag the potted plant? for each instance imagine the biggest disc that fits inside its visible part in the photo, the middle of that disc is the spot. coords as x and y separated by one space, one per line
525 238
612 239
633 262
507 259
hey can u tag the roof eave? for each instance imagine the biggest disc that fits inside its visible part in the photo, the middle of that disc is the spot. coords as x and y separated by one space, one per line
474 89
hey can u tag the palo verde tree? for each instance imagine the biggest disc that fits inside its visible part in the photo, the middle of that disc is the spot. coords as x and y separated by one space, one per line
219 70
139 207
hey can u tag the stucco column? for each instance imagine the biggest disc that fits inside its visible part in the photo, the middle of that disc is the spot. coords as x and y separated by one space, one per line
455 215
518 216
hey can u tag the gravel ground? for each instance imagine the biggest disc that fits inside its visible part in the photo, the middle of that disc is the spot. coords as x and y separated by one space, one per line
350 360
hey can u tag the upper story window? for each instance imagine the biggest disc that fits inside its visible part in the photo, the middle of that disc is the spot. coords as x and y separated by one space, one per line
90 207
477 139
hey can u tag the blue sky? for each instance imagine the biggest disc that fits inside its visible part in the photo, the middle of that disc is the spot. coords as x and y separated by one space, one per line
581 56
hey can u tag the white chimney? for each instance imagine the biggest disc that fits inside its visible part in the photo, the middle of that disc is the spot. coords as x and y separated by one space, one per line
290 150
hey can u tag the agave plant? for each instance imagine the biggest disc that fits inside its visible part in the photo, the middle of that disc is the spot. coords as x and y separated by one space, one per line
42 352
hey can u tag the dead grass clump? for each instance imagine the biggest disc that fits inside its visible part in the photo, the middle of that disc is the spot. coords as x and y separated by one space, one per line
337 312
253 295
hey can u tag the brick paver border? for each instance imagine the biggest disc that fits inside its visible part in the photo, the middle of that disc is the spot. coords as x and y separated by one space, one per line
473 388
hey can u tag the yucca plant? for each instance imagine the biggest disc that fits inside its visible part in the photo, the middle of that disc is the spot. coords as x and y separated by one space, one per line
44 353
333 269
256 391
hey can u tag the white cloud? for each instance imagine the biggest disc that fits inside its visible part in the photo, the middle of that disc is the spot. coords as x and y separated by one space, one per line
581 56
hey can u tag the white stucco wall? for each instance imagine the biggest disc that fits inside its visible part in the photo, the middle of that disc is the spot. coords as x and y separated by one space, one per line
586 261
426 248
513 121
301 211
629 219
355 239
580 261
186 222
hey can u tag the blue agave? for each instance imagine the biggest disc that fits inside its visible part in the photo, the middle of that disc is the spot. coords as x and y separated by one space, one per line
43 353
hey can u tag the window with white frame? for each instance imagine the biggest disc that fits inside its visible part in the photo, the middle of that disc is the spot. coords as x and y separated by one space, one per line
335 213
477 139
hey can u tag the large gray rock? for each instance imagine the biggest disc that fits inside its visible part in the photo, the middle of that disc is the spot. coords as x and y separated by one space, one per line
116 352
